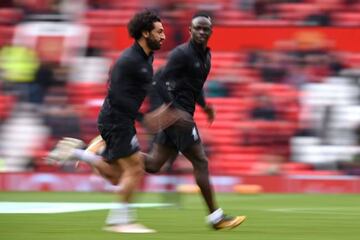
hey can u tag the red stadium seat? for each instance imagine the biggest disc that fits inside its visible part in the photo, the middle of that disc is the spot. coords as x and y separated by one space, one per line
10 15
7 102
6 35
347 19
296 11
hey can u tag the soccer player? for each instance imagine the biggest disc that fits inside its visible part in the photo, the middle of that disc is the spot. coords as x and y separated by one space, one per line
185 72
129 79
180 85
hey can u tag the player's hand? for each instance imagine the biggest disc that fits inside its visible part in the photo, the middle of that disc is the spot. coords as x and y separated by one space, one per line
210 113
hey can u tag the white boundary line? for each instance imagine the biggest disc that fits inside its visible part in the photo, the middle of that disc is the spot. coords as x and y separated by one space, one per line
62 207
333 211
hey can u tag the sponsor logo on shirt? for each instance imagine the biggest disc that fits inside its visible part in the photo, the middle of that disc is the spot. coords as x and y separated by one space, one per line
134 142
195 134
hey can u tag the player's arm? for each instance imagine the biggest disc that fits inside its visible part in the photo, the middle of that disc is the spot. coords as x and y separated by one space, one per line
207 108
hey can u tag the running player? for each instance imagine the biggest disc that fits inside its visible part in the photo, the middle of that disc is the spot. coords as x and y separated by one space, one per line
129 80
185 72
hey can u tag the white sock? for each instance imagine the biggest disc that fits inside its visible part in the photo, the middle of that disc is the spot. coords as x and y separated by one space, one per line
123 214
215 216
86 156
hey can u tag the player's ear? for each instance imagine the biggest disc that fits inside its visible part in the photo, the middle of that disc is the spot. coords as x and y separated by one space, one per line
145 34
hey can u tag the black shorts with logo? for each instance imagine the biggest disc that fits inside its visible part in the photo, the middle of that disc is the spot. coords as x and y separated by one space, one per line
121 141
178 136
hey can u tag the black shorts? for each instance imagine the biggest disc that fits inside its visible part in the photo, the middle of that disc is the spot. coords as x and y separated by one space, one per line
121 141
179 137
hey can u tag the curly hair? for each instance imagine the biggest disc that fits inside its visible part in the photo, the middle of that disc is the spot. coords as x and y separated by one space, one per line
142 21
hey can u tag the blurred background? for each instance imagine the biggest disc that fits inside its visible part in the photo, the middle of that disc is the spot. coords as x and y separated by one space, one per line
285 82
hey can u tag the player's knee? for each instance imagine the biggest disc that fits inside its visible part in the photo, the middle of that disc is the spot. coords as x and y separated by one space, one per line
150 165
113 180
201 165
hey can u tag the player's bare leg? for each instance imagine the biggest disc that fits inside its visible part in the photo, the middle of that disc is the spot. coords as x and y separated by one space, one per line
123 219
71 150
111 172
196 155
96 146
158 156
216 218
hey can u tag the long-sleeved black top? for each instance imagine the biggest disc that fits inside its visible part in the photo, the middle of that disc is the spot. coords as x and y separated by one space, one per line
129 81
186 71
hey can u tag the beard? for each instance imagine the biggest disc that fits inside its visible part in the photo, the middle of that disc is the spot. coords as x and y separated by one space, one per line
152 43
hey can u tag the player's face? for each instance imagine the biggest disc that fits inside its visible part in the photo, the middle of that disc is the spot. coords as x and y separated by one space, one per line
156 37
201 30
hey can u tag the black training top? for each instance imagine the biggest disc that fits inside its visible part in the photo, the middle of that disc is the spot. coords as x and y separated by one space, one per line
186 71
129 81
155 99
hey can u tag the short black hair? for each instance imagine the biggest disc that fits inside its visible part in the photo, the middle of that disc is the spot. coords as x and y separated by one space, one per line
142 21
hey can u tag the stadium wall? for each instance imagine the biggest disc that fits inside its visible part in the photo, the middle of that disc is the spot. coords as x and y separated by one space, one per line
263 37
160 183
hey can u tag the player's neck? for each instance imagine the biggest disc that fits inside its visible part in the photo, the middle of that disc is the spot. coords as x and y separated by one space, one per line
200 46
144 46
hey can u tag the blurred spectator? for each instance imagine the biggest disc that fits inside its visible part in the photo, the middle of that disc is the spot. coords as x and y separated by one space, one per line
320 18
44 78
272 68
317 67
253 57
19 65
260 8
335 65
216 89
264 109
60 116
264 9
93 52
97 4
245 5
296 75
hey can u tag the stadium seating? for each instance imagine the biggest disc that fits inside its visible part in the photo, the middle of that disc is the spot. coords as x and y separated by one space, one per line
348 19
7 103
10 16
6 34
238 144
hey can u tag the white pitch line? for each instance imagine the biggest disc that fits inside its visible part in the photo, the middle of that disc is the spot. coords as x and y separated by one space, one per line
57 207
337 210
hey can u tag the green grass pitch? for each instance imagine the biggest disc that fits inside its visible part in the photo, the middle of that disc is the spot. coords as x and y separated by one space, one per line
270 217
